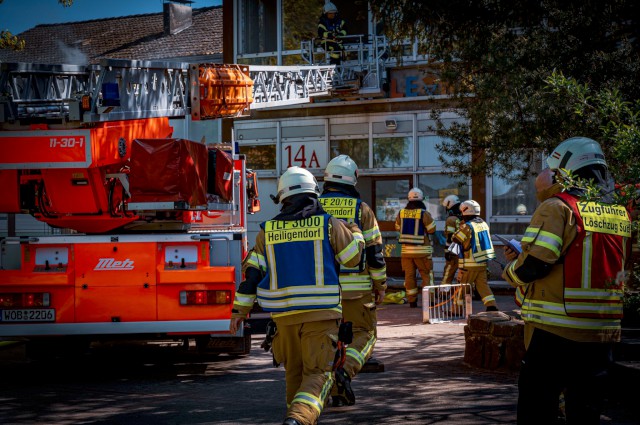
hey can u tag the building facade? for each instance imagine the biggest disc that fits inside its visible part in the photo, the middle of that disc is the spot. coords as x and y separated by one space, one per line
383 121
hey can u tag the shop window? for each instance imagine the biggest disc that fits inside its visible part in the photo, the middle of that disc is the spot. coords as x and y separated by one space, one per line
258 26
357 149
260 157
392 152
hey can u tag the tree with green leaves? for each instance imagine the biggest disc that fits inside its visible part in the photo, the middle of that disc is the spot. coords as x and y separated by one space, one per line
12 42
497 56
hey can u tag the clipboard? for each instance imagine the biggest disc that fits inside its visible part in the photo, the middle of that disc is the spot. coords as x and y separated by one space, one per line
508 244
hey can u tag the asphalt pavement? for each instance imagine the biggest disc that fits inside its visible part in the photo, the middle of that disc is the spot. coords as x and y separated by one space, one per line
424 381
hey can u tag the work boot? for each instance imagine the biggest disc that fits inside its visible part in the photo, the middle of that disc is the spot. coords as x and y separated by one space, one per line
339 401
290 421
413 304
372 365
343 382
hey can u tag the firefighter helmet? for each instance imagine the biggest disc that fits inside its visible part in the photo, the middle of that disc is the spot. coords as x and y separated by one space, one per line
330 8
470 207
450 201
341 169
575 153
296 180
415 194
521 209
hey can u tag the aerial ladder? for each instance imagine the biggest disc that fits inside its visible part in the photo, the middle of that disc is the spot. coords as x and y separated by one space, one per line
155 226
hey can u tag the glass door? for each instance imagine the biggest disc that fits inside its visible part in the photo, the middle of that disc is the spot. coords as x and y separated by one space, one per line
389 196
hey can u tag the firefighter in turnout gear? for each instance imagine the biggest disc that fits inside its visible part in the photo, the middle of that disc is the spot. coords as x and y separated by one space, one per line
292 272
476 249
330 29
363 286
571 272
452 204
415 224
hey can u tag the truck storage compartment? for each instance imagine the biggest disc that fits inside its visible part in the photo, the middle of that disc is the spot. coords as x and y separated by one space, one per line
220 174
169 170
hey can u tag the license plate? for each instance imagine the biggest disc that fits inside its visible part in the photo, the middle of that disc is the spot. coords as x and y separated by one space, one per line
28 315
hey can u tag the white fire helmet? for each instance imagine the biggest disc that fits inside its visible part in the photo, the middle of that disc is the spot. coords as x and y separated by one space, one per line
341 169
450 201
470 207
521 209
575 153
296 180
415 194
330 8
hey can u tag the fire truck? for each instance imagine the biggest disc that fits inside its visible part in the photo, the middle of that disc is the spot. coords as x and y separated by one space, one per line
151 228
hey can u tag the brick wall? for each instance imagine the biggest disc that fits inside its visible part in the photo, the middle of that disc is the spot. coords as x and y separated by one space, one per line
494 340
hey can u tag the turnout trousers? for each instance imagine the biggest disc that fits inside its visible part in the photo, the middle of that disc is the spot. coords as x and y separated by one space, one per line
449 273
553 364
410 264
478 276
363 319
307 351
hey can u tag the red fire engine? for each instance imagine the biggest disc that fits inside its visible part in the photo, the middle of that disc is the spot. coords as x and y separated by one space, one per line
154 227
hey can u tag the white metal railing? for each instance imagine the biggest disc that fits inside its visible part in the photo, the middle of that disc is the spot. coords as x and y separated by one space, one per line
363 59
445 303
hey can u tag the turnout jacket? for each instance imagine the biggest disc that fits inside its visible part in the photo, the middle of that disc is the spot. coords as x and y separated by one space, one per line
451 225
277 269
372 275
547 302
414 226
474 238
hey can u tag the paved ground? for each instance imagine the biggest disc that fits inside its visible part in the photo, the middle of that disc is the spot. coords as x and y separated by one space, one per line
424 382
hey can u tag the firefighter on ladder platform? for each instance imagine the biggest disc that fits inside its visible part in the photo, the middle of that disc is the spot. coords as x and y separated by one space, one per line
363 286
572 276
292 273
330 29
452 204
415 224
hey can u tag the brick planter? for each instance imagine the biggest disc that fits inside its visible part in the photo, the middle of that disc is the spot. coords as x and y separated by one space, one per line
494 340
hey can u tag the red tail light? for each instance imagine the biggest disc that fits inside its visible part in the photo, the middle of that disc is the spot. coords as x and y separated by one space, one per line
205 297
25 300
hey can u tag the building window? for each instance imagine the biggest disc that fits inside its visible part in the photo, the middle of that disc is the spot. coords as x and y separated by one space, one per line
513 197
438 186
390 197
300 21
260 157
392 152
357 149
513 201
428 155
258 23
